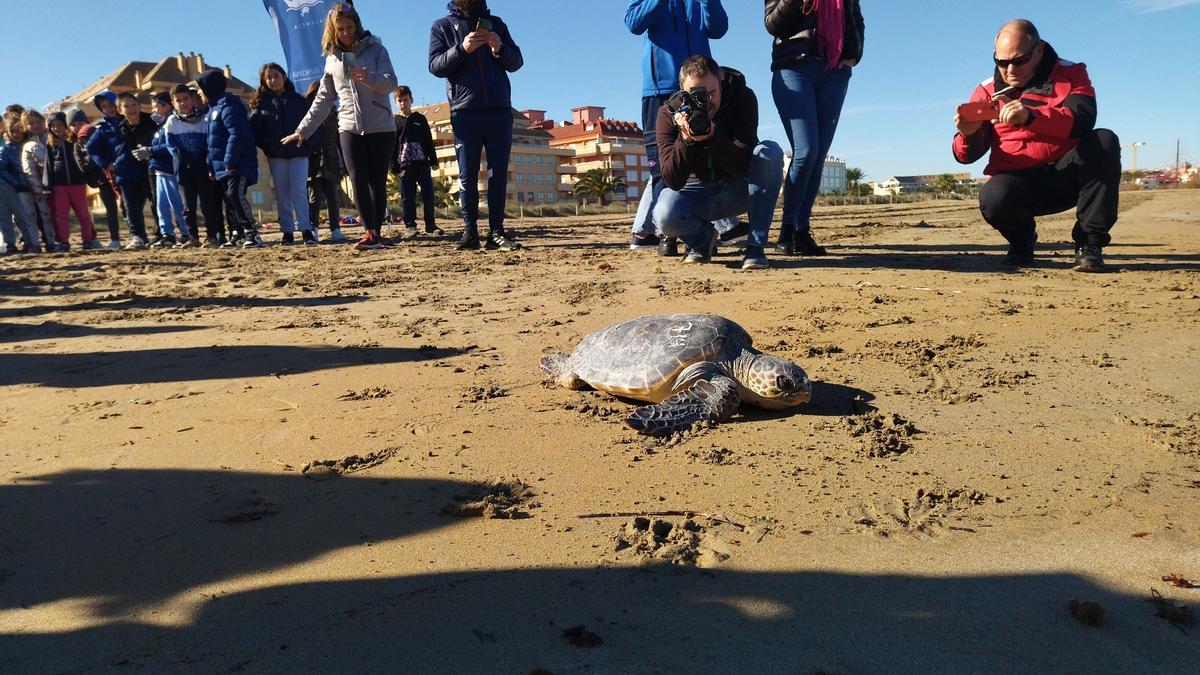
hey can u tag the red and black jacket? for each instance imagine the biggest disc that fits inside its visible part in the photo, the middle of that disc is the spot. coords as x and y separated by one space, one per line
1062 109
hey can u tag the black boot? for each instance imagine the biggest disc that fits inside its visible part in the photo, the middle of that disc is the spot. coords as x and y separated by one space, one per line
469 240
1089 258
786 245
668 247
805 245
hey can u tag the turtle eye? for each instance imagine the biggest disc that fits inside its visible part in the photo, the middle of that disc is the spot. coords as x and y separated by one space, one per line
785 383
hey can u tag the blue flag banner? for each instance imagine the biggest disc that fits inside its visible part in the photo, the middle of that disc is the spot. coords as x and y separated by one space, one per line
300 24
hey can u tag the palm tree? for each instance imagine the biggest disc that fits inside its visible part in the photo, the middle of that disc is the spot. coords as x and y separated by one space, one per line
598 183
945 183
441 192
853 177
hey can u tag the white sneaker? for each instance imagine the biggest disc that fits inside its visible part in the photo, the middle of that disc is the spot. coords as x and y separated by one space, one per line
135 243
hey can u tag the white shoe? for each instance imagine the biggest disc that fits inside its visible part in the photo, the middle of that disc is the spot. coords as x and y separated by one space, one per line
135 243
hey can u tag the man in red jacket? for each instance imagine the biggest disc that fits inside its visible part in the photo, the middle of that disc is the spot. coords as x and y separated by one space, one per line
1047 155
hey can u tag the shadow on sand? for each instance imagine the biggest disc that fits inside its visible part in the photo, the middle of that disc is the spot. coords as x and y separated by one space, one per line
184 364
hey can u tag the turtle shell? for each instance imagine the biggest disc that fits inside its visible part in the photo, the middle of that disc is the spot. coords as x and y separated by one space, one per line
641 358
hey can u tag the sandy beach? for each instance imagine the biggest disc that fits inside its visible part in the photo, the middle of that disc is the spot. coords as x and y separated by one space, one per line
273 460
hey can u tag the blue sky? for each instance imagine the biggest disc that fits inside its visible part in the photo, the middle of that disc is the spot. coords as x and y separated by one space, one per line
922 57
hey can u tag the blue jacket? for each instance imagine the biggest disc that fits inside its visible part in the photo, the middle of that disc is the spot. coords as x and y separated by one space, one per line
161 160
112 144
277 116
230 138
477 81
674 30
10 167
187 141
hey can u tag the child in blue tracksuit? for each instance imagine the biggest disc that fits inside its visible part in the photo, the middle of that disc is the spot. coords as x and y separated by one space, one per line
162 164
187 141
232 156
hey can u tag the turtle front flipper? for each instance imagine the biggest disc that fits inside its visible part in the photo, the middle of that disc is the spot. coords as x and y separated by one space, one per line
712 399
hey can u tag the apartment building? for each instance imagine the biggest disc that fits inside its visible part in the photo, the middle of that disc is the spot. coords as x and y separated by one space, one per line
599 143
535 168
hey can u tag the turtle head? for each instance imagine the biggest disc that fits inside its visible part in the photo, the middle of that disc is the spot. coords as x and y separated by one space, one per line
774 383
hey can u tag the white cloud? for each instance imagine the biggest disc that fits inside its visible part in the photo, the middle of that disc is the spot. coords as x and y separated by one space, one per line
1151 6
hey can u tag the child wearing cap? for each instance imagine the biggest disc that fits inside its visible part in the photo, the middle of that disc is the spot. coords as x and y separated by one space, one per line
68 186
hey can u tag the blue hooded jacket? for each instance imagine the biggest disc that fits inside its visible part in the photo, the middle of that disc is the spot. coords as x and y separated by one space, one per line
230 139
674 30
477 81
10 167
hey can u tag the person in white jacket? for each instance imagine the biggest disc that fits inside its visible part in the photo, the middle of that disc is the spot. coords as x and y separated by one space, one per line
33 162
359 73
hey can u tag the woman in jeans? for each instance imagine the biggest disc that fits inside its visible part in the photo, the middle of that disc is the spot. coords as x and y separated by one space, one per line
359 73
275 110
817 43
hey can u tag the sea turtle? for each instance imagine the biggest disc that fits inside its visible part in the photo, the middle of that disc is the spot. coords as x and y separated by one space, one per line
692 367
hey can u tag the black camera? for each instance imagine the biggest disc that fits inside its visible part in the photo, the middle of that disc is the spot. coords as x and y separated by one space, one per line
693 103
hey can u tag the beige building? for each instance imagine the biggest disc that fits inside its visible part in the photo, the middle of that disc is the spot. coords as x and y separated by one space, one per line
146 78
535 169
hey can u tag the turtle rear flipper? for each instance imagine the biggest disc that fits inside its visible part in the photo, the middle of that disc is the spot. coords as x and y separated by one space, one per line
557 365
713 399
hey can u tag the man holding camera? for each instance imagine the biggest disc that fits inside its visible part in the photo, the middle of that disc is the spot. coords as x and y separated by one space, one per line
1046 154
712 163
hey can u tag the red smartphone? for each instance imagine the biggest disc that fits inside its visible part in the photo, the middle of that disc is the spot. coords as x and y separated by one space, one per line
979 111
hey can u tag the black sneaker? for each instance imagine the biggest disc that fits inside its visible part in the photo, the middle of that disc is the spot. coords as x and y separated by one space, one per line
289 238
704 254
1089 259
639 242
469 241
161 242
434 231
498 241
252 240
310 237
805 245
668 247
755 259
736 233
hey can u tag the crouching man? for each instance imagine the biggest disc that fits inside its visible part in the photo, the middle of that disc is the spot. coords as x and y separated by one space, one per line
1046 154
712 163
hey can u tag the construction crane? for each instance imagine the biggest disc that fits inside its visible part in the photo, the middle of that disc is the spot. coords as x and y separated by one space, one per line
1134 146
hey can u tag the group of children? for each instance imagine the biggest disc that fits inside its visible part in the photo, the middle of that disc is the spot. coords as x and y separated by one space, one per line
194 157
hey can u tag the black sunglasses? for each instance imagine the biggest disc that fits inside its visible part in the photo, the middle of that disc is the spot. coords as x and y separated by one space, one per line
1017 61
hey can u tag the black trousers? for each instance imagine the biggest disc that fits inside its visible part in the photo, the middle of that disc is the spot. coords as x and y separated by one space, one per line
237 210
112 212
135 194
200 191
323 193
1088 178
414 177
368 158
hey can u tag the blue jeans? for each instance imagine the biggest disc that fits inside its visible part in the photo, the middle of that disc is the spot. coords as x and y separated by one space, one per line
475 131
291 192
689 214
810 101
170 206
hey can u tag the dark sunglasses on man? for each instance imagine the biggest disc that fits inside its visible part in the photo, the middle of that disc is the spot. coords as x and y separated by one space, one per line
1018 61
